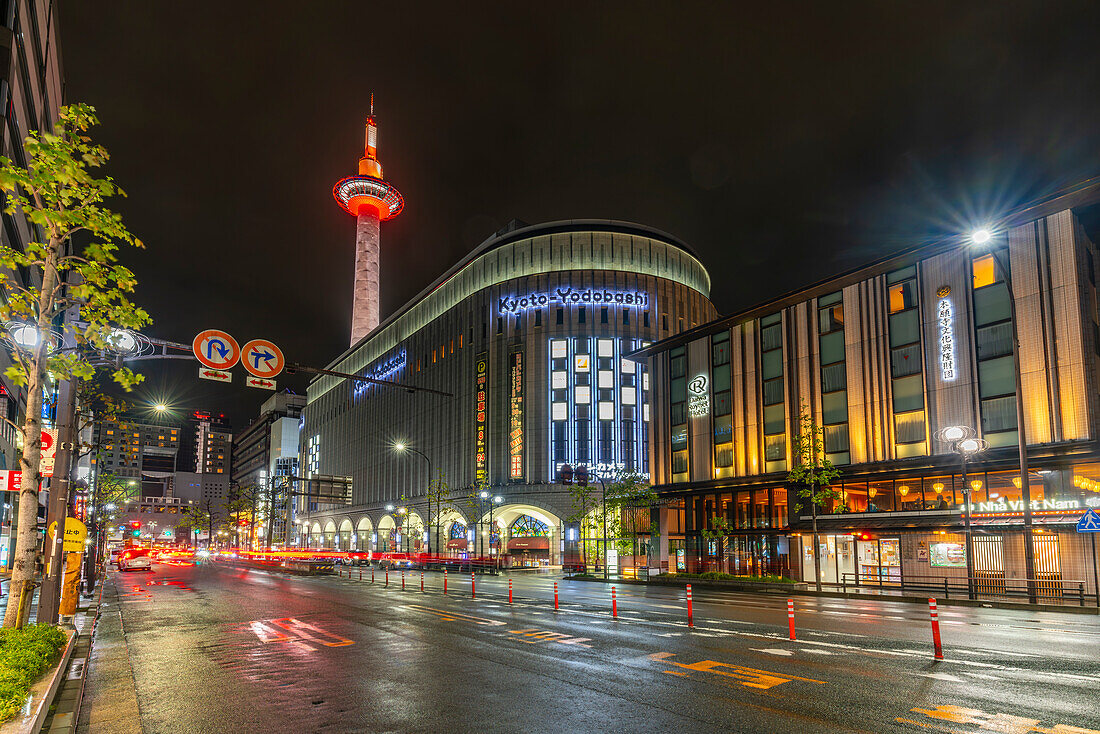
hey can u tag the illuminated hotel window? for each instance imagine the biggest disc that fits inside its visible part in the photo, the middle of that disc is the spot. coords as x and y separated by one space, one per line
722 408
678 413
907 379
771 374
834 379
993 339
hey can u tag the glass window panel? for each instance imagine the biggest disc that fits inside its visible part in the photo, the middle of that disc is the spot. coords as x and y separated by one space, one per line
771 337
720 352
680 462
773 392
832 347
996 377
903 296
995 341
607 411
769 320
772 364
557 348
836 438
903 274
908 394
558 380
605 347
774 421
723 429
606 379
723 405
775 447
720 378
905 360
830 299
678 366
583 394
723 455
834 377
830 319
904 328
999 414
679 438
679 413
560 411
991 305
985 271
834 408
909 427
629 396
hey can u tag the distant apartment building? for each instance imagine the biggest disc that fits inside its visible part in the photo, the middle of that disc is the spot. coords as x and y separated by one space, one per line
267 450
136 449
213 443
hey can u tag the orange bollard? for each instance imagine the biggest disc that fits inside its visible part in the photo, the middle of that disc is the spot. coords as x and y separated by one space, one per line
509 591
790 616
691 618
935 629
555 596
387 578
372 575
473 591
614 604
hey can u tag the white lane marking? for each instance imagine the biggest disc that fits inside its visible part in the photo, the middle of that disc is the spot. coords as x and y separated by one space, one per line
773 651
940 676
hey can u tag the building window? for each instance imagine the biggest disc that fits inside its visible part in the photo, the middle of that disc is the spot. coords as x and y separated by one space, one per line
906 371
834 378
993 341
560 317
722 420
772 391
603 314
678 413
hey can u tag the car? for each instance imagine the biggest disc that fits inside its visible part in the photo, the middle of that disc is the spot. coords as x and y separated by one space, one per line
134 559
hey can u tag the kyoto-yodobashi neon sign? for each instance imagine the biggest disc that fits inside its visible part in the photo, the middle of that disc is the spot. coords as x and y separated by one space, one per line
570 297
945 317
380 371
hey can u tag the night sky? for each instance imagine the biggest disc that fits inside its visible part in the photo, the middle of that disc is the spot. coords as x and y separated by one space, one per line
783 144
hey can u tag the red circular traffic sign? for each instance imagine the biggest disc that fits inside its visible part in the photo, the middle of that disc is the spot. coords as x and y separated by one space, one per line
216 349
262 358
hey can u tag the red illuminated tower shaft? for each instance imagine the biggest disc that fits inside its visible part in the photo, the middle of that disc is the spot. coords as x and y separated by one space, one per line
371 200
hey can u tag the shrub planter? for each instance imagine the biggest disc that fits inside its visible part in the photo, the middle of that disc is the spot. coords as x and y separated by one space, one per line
698 583
33 714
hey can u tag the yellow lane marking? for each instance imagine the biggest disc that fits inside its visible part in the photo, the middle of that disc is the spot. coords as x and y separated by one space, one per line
748 677
548 636
455 616
999 722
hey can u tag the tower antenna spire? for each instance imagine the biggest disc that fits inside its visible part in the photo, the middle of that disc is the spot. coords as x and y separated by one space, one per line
372 104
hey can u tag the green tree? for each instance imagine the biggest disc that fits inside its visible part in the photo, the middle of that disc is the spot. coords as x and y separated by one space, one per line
629 499
813 476
719 530
60 198
203 516
583 497
439 494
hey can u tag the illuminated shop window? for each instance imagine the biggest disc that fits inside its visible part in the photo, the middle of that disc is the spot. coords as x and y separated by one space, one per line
722 420
593 423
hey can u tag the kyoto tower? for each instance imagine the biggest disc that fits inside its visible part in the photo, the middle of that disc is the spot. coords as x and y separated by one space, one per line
371 201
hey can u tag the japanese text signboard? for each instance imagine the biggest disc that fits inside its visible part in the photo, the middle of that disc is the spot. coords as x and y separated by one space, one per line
515 435
481 444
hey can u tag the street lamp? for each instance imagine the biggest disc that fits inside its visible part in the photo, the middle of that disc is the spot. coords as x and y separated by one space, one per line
401 447
963 440
980 237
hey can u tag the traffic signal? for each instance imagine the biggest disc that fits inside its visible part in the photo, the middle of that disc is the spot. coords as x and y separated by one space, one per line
566 474
581 475
135 528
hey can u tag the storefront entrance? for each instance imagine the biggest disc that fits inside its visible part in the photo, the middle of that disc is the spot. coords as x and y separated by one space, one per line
879 560
837 558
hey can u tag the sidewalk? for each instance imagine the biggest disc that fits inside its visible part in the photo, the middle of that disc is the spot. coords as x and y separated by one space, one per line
110 703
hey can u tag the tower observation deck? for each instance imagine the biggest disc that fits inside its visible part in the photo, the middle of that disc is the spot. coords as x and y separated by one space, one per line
371 200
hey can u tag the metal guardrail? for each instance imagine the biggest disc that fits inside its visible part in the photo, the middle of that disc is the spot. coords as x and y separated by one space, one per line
990 587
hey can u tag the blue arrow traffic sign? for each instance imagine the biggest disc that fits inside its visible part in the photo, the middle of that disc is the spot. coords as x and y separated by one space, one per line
262 358
216 349
1089 522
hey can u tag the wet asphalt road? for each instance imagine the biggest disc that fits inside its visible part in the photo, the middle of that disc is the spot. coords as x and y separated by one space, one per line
217 648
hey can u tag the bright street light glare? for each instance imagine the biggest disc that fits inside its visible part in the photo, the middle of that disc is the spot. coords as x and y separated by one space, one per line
954 433
981 236
160 407
484 495
399 446
969 446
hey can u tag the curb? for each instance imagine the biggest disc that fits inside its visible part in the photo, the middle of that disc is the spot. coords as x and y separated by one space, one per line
907 599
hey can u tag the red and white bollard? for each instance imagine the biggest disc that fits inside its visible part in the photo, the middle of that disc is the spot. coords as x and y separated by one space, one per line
360 574
402 580
421 582
509 591
691 617
935 628
444 581
790 616
372 575
555 596
614 605
473 588
387 578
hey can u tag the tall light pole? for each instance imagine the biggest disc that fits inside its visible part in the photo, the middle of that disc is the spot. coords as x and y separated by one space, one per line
401 448
980 237
963 440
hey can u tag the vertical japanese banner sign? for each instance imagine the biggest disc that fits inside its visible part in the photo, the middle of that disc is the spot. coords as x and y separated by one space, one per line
481 445
49 451
515 434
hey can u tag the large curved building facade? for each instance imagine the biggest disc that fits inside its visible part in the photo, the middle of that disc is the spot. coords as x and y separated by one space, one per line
525 338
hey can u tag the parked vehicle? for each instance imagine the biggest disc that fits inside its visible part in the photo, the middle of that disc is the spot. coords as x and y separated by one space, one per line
135 559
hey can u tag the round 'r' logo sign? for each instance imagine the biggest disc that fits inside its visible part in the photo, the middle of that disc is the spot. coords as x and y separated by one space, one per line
698 386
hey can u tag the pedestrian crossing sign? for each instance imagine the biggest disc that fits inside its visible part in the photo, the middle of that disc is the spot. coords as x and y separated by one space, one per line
1089 523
